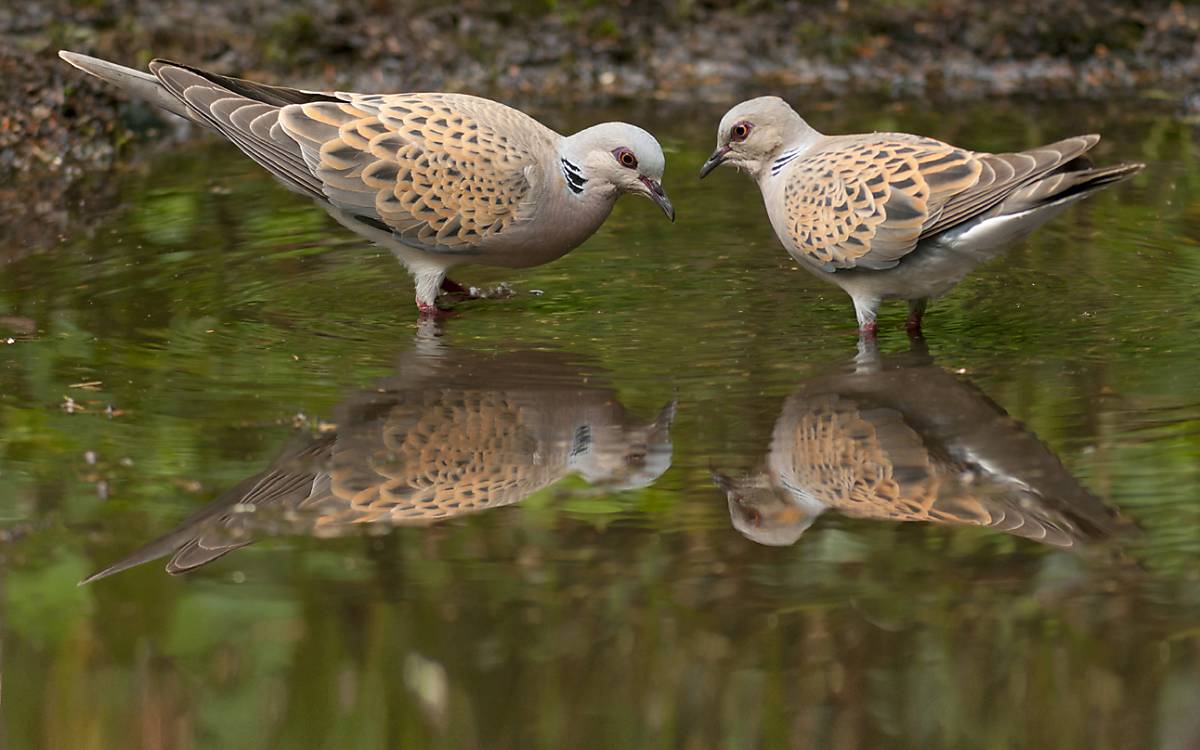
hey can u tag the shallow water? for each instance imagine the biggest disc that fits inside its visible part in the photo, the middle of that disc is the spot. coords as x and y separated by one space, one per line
199 325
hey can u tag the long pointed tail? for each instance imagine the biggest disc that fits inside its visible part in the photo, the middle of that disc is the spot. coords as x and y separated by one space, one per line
1098 177
165 545
1069 185
140 84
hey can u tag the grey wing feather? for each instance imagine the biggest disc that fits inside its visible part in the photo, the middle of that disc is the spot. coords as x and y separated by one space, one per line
224 534
295 477
1004 174
1038 527
439 172
276 96
249 124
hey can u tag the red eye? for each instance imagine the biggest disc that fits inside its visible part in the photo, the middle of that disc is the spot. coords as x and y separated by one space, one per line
739 131
626 157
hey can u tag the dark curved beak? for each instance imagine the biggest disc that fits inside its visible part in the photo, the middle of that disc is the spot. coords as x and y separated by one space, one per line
714 161
723 481
654 191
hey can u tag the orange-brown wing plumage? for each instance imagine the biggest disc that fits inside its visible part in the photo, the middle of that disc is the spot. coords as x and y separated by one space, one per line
450 453
869 462
866 201
442 171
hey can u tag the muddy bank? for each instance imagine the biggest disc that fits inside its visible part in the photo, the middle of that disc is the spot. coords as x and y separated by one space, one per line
676 50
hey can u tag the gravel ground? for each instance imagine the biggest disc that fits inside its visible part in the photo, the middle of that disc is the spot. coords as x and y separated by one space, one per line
55 121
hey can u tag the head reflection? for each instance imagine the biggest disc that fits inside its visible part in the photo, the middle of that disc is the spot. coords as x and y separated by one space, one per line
899 438
451 433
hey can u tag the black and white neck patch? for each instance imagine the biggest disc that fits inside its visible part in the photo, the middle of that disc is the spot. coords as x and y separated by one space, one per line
778 165
574 177
583 440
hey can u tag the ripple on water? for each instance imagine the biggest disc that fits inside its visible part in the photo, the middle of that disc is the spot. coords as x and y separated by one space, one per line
689 465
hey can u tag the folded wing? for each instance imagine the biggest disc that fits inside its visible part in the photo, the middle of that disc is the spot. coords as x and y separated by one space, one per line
442 172
866 201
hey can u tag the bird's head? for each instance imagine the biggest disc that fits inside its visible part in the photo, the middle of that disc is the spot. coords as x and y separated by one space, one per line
614 158
753 133
762 512
627 457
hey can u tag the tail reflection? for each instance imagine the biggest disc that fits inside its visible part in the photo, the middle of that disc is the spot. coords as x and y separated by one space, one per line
451 433
901 439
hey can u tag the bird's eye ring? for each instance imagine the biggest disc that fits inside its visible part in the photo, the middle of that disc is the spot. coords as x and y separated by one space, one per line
626 158
740 131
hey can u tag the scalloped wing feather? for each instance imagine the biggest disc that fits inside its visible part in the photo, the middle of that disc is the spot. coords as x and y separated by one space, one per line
869 462
442 171
867 201
445 454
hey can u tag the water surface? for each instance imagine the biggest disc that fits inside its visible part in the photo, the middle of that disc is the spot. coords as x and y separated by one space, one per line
626 423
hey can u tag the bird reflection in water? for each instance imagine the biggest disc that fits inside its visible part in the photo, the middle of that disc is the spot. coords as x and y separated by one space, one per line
899 438
451 433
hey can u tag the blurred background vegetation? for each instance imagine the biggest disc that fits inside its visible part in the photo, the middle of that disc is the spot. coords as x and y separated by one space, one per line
568 51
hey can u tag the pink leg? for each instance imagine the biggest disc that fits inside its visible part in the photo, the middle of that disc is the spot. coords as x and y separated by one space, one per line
427 310
427 285
864 310
433 312
916 310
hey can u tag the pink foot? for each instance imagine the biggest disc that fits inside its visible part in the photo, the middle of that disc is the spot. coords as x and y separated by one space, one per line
913 325
426 311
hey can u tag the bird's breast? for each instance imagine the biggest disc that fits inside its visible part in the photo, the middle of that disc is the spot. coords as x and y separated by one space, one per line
560 224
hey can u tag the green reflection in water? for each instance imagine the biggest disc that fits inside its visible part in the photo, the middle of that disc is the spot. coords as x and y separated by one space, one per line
210 308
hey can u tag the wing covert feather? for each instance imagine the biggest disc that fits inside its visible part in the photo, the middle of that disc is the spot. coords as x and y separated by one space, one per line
442 171
867 201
